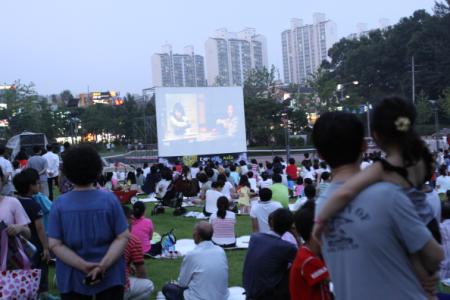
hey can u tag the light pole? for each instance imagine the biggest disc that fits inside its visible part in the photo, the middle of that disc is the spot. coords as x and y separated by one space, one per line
340 87
434 104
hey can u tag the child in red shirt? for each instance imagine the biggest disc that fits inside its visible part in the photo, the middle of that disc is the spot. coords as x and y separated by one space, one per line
309 276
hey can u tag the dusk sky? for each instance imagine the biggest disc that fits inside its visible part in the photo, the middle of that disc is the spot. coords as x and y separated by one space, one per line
108 44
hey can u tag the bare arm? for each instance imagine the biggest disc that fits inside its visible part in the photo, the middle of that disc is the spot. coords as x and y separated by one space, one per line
69 257
431 256
42 237
255 225
140 271
428 280
350 190
14 230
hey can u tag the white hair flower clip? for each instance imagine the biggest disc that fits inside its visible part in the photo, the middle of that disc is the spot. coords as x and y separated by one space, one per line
402 124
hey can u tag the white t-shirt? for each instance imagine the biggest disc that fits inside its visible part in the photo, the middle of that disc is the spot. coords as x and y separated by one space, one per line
265 183
211 200
146 171
253 185
194 172
261 211
223 228
443 184
226 190
52 164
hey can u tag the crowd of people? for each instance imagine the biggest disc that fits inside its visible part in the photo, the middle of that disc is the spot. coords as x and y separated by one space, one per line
338 223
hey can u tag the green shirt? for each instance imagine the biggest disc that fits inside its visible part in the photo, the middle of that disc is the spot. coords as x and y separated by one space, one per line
280 194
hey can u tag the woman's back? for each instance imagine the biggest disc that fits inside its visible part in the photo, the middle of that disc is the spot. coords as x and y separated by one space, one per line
223 228
87 222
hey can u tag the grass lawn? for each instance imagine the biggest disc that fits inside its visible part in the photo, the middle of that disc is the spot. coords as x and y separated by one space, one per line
161 271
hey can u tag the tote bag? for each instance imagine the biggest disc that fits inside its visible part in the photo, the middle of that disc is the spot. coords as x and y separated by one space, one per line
20 283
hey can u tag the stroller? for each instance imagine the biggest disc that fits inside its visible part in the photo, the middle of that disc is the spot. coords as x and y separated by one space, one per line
173 198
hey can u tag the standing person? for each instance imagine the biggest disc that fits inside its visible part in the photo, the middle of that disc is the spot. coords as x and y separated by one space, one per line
64 184
7 169
52 169
138 286
381 209
39 163
223 222
309 277
261 210
142 227
244 193
13 215
280 192
22 158
266 265
291 170
26 184
204 271
88 232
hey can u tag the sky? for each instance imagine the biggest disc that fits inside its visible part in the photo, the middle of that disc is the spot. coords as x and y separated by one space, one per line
108 44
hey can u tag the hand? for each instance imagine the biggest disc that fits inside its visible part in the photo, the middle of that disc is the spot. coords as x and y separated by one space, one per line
14 230
95 272
430 283
88 267
318 229
45 256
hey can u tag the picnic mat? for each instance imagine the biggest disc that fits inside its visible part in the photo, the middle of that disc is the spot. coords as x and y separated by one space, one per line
183 246
236 293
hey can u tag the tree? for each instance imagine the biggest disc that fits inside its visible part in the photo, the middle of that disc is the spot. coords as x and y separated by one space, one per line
423 108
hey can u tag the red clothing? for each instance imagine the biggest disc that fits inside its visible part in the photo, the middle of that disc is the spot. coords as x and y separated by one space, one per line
308 278
291 170
132 255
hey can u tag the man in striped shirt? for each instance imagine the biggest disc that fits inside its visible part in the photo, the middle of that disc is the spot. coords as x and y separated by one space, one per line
137 286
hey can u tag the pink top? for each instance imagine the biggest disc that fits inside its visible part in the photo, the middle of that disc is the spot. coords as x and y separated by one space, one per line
12 212
143 229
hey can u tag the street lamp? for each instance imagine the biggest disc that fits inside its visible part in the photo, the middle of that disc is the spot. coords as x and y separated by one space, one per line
340 87
435 107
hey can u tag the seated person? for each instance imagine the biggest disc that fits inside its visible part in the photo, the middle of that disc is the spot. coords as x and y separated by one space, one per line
142 227
204 271
309 276
137 285
211 198
163 185
266 265
280 191
261 210
151 179
223 222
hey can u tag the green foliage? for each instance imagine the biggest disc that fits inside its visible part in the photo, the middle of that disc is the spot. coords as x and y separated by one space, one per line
381 60
263 111
424 109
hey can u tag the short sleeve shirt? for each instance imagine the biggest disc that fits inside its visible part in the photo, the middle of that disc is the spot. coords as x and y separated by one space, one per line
308 278
87 222
280 193
369 242
34 212
12 212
